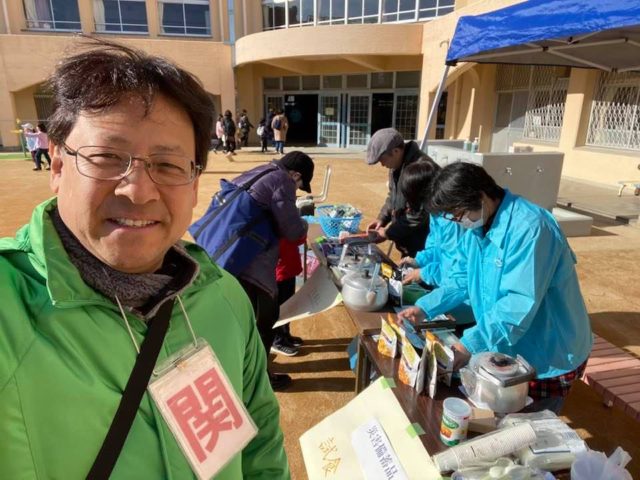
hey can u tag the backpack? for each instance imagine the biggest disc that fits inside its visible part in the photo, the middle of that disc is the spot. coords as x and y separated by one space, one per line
277 124
260 130
235 228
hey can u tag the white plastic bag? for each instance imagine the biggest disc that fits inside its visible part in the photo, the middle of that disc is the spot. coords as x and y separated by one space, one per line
592 465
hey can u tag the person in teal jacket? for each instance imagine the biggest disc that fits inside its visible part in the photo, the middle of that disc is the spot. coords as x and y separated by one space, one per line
433 264
94 265
518 271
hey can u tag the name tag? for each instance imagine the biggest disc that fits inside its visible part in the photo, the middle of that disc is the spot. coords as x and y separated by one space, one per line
198 403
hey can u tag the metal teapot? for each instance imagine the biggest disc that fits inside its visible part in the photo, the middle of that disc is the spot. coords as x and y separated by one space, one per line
364 290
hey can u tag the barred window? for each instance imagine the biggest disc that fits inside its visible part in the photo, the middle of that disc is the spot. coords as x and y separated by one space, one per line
542 92
545 107
615 112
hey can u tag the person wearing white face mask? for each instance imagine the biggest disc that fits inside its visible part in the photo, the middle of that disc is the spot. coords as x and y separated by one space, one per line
518 272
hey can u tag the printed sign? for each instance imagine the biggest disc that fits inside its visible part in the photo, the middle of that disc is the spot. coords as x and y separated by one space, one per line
208 420
377 458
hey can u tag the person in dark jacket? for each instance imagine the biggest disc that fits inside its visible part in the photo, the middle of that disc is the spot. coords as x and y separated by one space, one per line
245 126
276 192
263 133
395 222
270 115
229 128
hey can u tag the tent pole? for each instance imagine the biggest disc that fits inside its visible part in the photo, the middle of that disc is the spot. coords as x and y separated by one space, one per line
434 107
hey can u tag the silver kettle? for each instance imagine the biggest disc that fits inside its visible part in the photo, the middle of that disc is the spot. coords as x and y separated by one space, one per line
365 291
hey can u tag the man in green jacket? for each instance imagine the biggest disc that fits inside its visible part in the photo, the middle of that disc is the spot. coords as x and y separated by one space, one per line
81 281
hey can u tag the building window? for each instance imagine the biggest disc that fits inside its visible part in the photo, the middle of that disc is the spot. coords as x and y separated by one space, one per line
274 14
271 83
545 106
300 12
185 17
398 10
408 79
331 12
52 14
357 81
362 11
332 81
120 16
311 82
434 8
382 80
615 112
531 102
291 83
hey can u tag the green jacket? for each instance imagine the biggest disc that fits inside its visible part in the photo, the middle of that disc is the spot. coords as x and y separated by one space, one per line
65 358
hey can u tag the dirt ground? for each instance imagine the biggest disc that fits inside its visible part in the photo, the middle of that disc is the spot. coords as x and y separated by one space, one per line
608 266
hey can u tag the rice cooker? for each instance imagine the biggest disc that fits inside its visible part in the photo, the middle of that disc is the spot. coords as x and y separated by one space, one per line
497 381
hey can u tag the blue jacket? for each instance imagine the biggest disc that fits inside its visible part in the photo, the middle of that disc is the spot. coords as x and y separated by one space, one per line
521 280
439 249
438 257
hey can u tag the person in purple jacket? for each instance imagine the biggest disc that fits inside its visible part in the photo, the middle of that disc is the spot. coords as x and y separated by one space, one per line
276 192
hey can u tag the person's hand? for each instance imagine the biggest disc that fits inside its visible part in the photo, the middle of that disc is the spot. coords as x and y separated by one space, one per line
411 276
413 314
375 225
409 262
382 234
461 356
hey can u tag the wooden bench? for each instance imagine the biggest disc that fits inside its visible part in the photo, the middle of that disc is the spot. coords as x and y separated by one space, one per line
614 374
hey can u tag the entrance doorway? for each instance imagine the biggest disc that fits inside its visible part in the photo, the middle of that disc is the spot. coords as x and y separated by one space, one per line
509 124
302 113
381 111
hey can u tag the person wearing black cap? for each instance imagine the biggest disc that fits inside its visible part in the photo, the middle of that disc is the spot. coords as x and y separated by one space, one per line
276 192
408 230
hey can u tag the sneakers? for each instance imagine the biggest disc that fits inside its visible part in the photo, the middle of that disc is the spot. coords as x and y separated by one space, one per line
279 381
284 349
295 341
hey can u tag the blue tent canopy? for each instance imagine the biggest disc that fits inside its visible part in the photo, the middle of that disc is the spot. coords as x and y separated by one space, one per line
602 34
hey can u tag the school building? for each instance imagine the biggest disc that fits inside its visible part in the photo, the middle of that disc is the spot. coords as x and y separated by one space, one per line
340 69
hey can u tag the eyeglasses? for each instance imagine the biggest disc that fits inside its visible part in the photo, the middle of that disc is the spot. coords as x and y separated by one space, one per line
454 217
106 163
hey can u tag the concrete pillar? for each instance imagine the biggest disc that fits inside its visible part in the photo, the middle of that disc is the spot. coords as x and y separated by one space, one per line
214 19
7 122
87 21
153 18
577 108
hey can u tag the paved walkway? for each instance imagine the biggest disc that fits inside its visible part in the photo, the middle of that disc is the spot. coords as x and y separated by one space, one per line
599 200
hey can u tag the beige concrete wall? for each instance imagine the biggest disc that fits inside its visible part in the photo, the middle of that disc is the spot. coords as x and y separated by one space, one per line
27 60
25 106
587 163
335 40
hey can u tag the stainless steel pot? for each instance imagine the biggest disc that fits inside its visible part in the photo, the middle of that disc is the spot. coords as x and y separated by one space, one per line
363 291
497 381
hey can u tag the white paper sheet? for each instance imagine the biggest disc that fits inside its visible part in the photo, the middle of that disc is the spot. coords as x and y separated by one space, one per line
377 458
318 294
329 454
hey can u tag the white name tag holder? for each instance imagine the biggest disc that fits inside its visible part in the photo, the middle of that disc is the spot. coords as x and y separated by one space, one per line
201 408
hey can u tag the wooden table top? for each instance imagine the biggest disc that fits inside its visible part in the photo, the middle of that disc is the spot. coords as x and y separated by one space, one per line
421 409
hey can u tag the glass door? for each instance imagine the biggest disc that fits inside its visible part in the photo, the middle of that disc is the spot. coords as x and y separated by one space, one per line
329 121
359 120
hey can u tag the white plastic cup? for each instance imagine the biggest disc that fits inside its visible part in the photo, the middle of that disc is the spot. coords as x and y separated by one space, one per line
455 421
